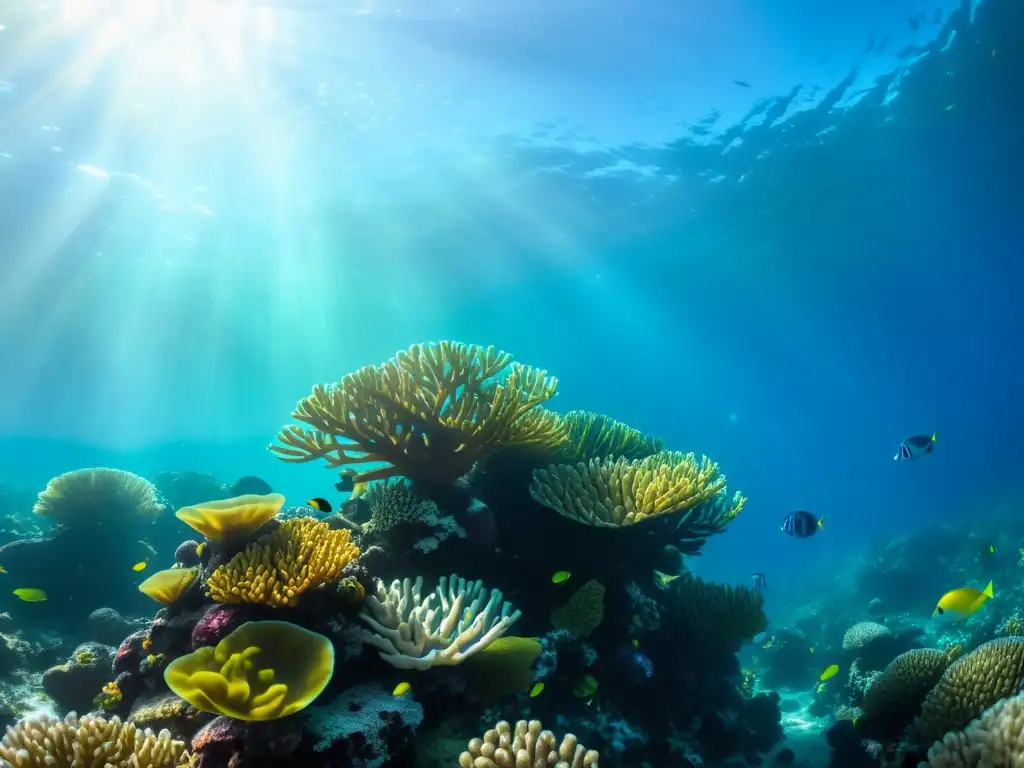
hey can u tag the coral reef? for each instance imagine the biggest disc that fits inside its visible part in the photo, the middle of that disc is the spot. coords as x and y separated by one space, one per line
97 496
894 700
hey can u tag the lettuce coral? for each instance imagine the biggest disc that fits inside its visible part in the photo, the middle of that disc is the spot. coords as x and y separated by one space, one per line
168 585
236 518
263 670
428 414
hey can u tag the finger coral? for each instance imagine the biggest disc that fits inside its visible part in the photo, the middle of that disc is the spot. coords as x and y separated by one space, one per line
995 740
527 745
428 414
234 518
73 742
275 570
721 615
90 496
615 493
892 702
449 625
263 670
970 685
584 612
596 436
168 585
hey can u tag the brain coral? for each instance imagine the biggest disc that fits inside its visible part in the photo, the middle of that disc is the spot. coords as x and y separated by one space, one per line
995 740
859 635
893 701
89 496
971 685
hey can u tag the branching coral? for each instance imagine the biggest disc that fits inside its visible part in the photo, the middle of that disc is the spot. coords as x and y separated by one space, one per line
620 492
45 742
584 612
995 740
718 614
596 436
428 414
301 554
263 670
449 625
969 686
526 747
892 702
89 496
235 518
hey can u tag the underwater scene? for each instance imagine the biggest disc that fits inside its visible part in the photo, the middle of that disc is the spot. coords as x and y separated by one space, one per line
465 384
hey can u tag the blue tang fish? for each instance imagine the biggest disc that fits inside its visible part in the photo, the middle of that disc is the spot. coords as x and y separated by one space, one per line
802 524
914 447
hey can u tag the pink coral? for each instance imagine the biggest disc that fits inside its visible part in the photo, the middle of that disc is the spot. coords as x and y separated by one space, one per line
216 623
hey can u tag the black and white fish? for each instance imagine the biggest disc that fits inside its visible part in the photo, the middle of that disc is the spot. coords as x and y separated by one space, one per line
802 524
758 581
915 447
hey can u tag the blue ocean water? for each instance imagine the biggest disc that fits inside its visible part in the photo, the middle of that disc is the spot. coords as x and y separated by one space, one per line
784 234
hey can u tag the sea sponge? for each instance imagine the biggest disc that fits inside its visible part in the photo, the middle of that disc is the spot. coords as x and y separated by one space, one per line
612 493
92 496
275 570
45 742
235 518
168 585
864 633
892 702
262 671
720 615
995 740
970 685
596 436
584 611
413 632
526 747
428 414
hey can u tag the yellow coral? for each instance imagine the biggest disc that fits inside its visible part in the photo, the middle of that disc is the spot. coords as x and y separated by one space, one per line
168 585
45 742
301 554
428 414
584 612
262 671
87 496
596 436
235 518
615 493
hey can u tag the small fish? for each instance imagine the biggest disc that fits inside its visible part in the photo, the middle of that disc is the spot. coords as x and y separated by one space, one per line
560 577
140 566
829 672
2 569
537 690
30 595
758 581
148 547
401 689
760 638
635 643
662 580
585 687
821 687
802 524
914 447
989 550
741 83
956 605
320 503
811 649
200 549
358 490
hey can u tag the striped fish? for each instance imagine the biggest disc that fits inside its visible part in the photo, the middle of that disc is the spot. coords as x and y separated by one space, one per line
758 581
915 447
801 524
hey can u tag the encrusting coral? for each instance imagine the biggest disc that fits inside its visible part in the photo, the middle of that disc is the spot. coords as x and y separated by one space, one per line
613 493
449 625
596 436
584 611
263 670
168 585
528 746
302 553
428 414
995 740
892 702
89 496
235 518
45 742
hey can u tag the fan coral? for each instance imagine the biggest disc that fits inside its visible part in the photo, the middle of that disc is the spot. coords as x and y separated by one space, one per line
275 570
620 492
972 683
995 740
428 414
234 518
892 702
168 585
860 635
720 614
584 612
527 745
45 742
412 633
596 436
89 496
263 670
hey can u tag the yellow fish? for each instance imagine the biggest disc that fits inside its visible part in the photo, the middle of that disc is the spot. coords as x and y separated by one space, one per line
662 580
829 672
200 549
585 687
560 577
139 566
2 569
401 689
958 604
537 690
636 643
358 490
30 594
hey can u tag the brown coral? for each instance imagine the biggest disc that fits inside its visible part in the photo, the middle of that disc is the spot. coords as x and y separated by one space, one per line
88 496
46 742
612 493
995 740
527 745
969 686
584 612
428 414
301 554
893 701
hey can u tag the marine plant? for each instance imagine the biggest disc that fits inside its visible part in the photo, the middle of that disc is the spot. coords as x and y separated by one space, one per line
97 495
231 519
526 745
428 414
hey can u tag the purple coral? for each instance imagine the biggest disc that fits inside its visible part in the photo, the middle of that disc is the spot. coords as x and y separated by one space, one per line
215 624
